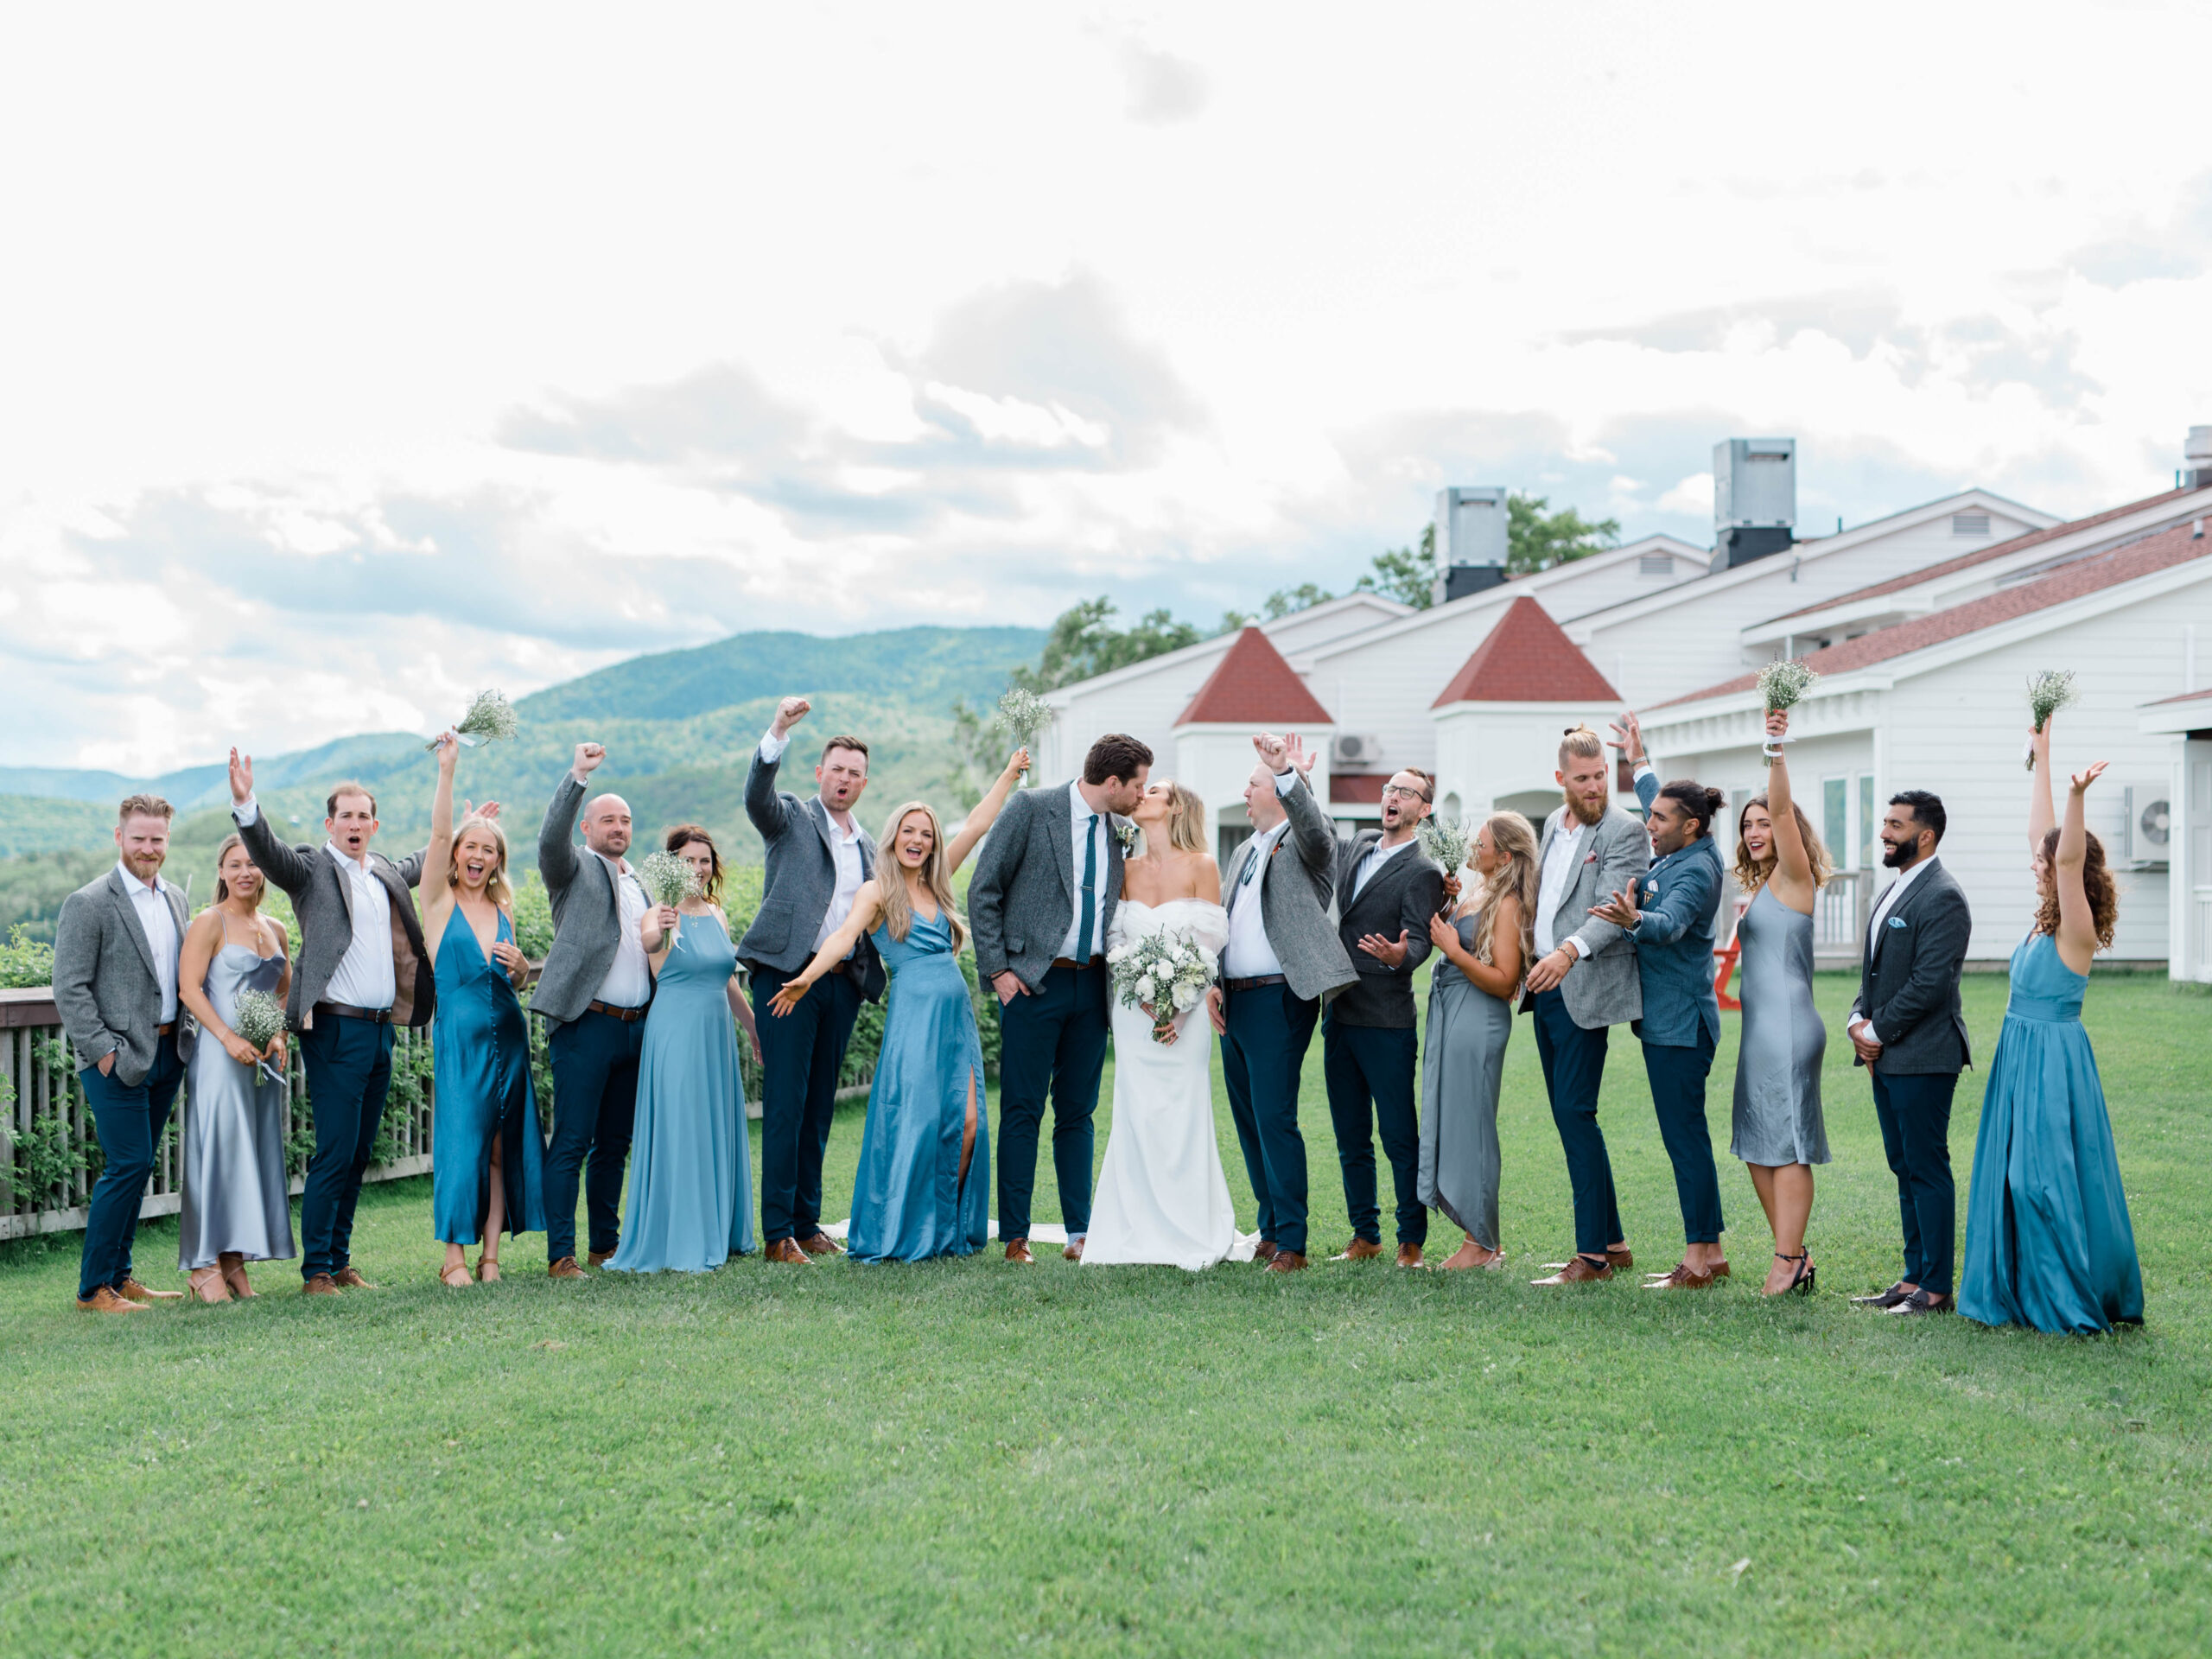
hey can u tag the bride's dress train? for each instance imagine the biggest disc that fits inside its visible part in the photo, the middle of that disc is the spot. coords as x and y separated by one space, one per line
1162 1197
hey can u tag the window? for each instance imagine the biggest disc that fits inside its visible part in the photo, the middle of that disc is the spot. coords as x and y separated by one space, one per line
1655 565
1835 808
1969 524
1866 822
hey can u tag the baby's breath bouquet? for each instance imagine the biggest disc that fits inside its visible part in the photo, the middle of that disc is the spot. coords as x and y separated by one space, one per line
1024 715
2047 692
1446 841
490 715
1783 685
668 880
258 1018
1168 971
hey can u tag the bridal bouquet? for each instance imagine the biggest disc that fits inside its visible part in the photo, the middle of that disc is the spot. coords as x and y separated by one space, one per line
1446 841
2047 692
1782 685
1167 971
490 715
1024 715
258 1018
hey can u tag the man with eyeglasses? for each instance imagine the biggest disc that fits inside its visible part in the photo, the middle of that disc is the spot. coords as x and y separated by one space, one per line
1387 889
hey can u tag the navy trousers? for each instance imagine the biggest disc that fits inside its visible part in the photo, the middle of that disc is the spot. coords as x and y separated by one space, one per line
801 1055
1677 1077
129 1118
1371 1073
595 1059
1261 1056
1052 1041
1574 1065
349 1069
1915 1118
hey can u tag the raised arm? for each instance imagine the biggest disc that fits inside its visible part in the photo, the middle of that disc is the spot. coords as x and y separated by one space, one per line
867 903
1793 864
557 862
762 804
987 811
437 895
281 864
2040 814
2077 922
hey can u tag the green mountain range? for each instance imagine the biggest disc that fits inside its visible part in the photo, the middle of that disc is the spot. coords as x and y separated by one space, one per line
679 727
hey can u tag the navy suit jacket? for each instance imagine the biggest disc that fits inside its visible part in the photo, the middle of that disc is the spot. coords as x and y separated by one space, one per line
1681 899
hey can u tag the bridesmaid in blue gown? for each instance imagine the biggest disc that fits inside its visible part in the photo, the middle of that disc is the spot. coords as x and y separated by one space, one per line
487 1153
923 1185
690 1205
2049 1244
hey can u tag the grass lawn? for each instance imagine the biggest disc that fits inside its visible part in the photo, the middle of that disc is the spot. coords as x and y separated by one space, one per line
963 1458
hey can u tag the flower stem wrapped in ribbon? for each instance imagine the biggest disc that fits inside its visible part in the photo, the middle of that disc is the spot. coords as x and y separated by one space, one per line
1447 841
258 1018
1783 685
490 716
1022 716
1166 972
668 880
2047 692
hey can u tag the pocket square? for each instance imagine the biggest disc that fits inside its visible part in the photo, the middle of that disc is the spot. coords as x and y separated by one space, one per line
1897 921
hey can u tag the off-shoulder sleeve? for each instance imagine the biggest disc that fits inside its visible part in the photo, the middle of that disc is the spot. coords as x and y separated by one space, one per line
1209 926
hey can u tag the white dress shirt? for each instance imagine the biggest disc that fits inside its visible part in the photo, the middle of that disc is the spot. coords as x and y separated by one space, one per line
364 978
151 904
1083 823
1371 865
1560 859
844 847
1882 907
1249 954
629 981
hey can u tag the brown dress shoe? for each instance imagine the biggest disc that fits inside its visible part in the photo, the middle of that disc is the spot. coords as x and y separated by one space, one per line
1681 1276
598 1258
1621 1259
820 1243
1017 1250
1359 1250
1579 1270
1264 1251
1073 1250
104 1300
349 1278
321 1285
566 1267
1409 1255
1287 1261
787 1250
1719 1270
131 1291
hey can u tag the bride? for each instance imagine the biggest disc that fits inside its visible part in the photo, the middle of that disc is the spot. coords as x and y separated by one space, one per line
1161 1196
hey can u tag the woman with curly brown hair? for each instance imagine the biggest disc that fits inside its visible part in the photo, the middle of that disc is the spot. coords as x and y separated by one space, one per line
2048 1239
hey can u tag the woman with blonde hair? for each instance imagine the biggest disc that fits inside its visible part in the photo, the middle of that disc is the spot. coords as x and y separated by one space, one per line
1777 1128
237 1208
922 1188
1161 1195
487 1154
1484 948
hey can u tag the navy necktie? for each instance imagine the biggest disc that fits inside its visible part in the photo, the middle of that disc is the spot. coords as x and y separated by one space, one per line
1090 891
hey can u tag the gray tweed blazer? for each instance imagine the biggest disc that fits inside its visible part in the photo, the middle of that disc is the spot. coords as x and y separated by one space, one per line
1604 988
586 914
800 881
104 981
1293 892
1022 898
324 904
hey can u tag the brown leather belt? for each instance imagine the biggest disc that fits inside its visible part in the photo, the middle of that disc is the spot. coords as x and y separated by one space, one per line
347 1011
163 1031
626 1016
1069 962
1258 984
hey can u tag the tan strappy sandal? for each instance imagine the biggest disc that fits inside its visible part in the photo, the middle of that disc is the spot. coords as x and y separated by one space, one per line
234 1276
487 1270
208 1285
446 1278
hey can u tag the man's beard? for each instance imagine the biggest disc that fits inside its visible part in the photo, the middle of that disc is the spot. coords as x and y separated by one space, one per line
1898 857
1580 810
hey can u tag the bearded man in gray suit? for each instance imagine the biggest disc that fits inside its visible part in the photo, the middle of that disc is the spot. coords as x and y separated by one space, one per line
1584 980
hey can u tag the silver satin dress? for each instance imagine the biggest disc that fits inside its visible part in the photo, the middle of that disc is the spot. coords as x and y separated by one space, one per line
1461 1064
235 1196
1778 1114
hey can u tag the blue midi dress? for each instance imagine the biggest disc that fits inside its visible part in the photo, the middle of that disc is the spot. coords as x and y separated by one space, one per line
479 1051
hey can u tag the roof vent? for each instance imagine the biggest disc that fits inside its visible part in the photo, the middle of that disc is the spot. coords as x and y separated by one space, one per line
2196 459
1754 499
1655 565
1969 524
1470 543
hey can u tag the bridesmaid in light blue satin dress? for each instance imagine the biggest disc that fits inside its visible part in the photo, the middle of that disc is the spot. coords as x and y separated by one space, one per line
2048 1243
922 1188
486 1151
689 1204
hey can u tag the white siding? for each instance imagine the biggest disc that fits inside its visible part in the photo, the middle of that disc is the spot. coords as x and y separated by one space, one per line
1488 751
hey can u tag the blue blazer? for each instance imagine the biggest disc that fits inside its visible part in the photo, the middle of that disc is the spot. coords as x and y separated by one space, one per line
1680 899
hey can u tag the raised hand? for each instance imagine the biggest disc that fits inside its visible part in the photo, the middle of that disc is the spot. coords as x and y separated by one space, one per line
1628 736
2083 779
1275 754
588 755
1778 722
789 713
489 811
1390 954
1016 764
448 748
241 777
1294 746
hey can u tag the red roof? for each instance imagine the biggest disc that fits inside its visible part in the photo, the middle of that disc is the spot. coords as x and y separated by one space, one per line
1527 658
2076 580
2186 696
1253 686
1356 788
2002 550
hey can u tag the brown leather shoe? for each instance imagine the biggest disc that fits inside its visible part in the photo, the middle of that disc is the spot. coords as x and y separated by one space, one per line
1264 1251
131 1291
598 1258
820 1243
1681 1276
1017 1250
1359 1250
1287 1261
1621 1259
104 1300
321 1285
566 1267
787 1250
349 1278
1579 1270
1409 1255
1073 1250
1721 1269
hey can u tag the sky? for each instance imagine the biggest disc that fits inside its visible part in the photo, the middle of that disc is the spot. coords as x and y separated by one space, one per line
350 361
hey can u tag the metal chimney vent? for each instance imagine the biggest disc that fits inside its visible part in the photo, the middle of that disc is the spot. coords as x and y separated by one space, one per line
2196 459
1754 499
1470 541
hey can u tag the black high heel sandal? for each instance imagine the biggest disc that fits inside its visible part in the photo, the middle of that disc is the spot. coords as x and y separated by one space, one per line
1808 1274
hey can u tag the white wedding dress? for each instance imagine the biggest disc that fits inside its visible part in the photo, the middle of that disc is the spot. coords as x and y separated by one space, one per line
1162 1197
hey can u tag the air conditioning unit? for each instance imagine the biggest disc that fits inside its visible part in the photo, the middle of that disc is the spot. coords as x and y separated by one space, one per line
1356 754
2147 828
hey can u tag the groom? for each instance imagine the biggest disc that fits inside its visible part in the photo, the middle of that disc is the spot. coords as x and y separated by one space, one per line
1042 899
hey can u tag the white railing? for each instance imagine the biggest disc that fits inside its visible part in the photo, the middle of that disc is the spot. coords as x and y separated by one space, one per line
1839 916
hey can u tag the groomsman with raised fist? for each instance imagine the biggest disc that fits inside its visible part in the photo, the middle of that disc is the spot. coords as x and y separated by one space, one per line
818 856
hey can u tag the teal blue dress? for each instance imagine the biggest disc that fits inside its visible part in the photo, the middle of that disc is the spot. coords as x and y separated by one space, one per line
910 1201
479 1051
2048 1240
689 1206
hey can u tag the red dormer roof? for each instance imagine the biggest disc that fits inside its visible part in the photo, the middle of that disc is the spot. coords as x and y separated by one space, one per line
1253 686
1527 658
